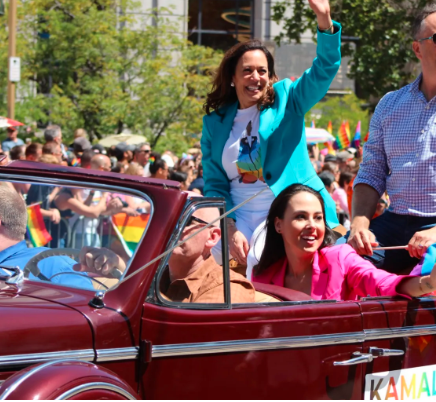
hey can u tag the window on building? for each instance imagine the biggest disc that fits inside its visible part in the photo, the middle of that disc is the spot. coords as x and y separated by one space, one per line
220 24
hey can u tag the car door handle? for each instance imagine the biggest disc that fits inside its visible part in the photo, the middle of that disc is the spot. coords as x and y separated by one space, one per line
379 352
360 358
374 352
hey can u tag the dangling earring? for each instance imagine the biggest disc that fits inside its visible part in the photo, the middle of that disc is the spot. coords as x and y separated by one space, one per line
232 84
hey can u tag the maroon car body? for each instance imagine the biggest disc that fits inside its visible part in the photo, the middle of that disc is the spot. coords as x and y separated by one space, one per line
56 345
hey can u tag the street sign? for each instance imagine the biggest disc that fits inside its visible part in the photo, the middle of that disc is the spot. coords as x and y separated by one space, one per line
14 69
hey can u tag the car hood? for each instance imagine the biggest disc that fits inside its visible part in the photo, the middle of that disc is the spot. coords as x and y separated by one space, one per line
33 321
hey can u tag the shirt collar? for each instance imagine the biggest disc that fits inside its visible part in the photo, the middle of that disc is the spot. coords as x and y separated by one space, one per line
414 87
10 251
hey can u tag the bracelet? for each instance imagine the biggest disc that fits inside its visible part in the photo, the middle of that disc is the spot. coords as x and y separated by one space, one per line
328 30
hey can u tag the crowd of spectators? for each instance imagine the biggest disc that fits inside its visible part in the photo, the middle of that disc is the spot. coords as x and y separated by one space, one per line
337 172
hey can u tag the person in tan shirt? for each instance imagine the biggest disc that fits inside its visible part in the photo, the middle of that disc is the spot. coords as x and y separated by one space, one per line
193 276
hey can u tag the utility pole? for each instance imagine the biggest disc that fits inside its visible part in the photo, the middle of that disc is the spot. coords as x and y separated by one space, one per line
11 53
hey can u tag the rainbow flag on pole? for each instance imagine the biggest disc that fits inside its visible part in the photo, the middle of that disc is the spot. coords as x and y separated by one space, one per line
129 229
36 229
366 137
312 124
342 138
356 139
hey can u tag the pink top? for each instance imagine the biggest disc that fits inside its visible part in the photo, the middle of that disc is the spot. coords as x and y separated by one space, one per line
339 273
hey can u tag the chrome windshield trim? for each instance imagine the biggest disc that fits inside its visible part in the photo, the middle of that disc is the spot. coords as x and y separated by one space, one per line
205 348
80 184
107 355
95 386
189 349
28 359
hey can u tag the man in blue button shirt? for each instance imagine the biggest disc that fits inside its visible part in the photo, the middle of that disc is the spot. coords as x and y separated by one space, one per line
14 251
400 158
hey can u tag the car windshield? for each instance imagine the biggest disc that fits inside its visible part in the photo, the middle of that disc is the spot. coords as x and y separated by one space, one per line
81 237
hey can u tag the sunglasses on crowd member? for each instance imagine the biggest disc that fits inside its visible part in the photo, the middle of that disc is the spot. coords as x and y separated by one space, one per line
195 219
433 37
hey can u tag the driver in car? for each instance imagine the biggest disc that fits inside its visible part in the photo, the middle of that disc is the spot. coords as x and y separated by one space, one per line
14 251
193 275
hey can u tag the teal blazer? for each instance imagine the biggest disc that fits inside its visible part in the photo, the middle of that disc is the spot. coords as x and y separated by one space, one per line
283 147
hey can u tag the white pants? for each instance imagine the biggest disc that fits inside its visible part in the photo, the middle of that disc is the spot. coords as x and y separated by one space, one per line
248 223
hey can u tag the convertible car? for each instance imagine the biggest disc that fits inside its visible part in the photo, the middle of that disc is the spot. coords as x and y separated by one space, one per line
78 335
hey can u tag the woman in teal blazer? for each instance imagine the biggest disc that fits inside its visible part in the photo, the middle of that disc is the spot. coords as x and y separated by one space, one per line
246 78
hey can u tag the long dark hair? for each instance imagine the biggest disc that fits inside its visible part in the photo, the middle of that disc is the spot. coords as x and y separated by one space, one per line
222 93
274 249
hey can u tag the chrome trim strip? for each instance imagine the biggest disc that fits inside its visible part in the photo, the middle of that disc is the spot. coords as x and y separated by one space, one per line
24 376
28 359
189 349
107 355
203 348
399 332
95 385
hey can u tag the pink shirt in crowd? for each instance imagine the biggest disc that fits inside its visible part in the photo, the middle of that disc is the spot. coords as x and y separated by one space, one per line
339 273
340 196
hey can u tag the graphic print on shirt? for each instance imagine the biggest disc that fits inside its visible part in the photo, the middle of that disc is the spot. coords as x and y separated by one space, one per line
249 161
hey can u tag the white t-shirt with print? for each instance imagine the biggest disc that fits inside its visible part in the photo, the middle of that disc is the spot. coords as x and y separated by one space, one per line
242 162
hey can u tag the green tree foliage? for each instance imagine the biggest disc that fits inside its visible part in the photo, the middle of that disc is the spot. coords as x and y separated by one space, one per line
382 59
87 65
337 109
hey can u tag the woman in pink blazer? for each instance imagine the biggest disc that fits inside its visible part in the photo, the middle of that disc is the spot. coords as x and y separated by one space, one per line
299 254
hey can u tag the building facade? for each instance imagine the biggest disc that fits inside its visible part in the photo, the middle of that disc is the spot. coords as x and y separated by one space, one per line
222 23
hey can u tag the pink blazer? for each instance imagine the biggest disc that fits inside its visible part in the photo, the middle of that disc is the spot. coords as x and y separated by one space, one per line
339 273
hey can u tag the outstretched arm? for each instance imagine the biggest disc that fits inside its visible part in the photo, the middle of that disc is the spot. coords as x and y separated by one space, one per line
314 83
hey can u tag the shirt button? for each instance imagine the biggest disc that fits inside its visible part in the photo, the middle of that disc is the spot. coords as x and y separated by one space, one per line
423 131
417 155
268 176
413 179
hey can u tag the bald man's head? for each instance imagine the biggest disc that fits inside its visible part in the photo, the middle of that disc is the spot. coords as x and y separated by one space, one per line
101 162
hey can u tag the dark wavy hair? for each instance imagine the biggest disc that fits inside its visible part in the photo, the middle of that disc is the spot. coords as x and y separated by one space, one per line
222 93
274 249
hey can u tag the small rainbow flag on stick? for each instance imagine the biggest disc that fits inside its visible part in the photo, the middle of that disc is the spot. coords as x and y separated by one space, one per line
342 137
36 229
356 139
130 229
366 137
330 127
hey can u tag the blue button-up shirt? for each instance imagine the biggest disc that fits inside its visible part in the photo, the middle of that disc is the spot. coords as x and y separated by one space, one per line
20 254
400 155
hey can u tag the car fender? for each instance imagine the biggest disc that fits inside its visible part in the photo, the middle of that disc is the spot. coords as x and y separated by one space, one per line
66 379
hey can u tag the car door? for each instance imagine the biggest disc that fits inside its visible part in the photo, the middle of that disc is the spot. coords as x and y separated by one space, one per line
264 350
278 351
400 335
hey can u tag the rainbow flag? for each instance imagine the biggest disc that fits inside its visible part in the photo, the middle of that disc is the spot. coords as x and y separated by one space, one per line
330 149
347 129
130 229
312 125
36 229
330 127
366 137
356 140
342 137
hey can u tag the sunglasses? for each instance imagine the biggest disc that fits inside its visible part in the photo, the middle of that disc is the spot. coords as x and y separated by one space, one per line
433 37
195 219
